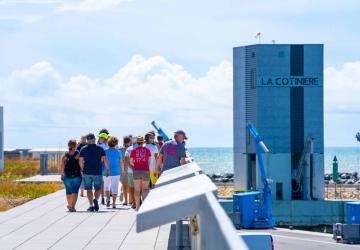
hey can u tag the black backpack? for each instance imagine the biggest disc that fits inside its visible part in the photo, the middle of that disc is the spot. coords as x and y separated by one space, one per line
72 167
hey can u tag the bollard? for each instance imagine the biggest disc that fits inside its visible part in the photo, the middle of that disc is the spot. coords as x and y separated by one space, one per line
179 235
44 164
335 169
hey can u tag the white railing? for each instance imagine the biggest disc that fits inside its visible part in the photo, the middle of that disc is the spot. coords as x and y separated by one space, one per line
186 193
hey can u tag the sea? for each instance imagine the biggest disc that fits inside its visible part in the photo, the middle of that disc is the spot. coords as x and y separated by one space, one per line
220 160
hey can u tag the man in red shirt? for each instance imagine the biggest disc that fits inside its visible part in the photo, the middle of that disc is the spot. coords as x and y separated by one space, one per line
140 158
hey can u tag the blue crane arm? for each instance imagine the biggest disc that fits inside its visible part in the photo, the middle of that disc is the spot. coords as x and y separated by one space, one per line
358 136
265 211
260 146
160 131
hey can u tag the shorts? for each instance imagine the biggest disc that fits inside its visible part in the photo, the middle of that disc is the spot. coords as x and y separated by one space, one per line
91 181
141 174
82 182
72 185
130 180
153 178
111 183
124 179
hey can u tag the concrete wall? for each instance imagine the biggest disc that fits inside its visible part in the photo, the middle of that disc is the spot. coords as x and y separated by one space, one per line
273 103
302 213
318 177
308 213
239 120
278 169
1 139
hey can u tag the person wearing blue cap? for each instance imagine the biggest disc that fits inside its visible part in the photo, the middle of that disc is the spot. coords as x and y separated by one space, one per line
172 154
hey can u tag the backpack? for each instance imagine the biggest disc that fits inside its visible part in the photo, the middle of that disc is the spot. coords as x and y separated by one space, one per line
72 167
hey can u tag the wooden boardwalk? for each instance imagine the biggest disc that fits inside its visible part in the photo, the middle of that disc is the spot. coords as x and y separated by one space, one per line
44 223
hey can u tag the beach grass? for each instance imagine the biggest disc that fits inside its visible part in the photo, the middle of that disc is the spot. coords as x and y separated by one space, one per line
13 193
20 168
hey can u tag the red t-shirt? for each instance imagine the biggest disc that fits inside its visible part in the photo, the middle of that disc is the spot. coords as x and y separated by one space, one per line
141 158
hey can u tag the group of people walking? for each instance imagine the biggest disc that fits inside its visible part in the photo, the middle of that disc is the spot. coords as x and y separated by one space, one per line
100 165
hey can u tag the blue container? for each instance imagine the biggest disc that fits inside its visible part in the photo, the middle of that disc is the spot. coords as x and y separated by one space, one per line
352 210
245 204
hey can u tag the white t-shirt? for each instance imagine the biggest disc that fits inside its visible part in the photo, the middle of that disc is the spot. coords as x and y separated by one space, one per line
154 150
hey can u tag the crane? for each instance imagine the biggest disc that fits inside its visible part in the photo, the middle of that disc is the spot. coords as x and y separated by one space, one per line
255 207
263 217
160 131
299 182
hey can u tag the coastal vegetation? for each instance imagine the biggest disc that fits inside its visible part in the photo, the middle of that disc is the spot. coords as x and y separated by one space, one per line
14 193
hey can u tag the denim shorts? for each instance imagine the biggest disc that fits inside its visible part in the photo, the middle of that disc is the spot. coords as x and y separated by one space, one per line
72 185
91 181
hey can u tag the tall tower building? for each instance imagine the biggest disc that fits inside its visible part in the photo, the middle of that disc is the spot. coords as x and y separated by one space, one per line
1 139
279 88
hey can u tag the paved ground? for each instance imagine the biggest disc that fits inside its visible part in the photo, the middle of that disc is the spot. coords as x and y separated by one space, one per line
44 224
285 239
42 178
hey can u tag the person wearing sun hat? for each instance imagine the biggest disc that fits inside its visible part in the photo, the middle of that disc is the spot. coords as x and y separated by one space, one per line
116 166
140 158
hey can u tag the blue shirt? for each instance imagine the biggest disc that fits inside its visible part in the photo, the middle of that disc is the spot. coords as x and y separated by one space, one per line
114 156
172 151
92 155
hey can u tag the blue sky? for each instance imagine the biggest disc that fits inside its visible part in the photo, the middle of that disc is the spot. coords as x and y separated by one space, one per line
69 67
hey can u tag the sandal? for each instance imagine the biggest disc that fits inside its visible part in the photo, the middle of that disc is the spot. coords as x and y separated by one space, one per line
121 196
107 203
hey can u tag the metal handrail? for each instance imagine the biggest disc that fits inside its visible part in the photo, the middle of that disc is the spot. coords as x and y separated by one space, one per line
192 198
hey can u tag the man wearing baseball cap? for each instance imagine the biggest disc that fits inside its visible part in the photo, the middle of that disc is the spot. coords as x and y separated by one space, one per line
91 158
172 154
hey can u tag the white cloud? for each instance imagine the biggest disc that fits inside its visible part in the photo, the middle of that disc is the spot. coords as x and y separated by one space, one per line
143 90
342 88
24 19
38 100
342 104
89 5
29 1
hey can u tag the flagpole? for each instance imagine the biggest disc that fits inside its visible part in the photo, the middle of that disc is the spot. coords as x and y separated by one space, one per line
258 36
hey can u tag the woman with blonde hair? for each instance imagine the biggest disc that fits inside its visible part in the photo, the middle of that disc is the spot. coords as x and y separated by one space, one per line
116 165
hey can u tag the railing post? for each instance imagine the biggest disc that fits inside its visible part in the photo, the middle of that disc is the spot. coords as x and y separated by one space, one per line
44 164
179 235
